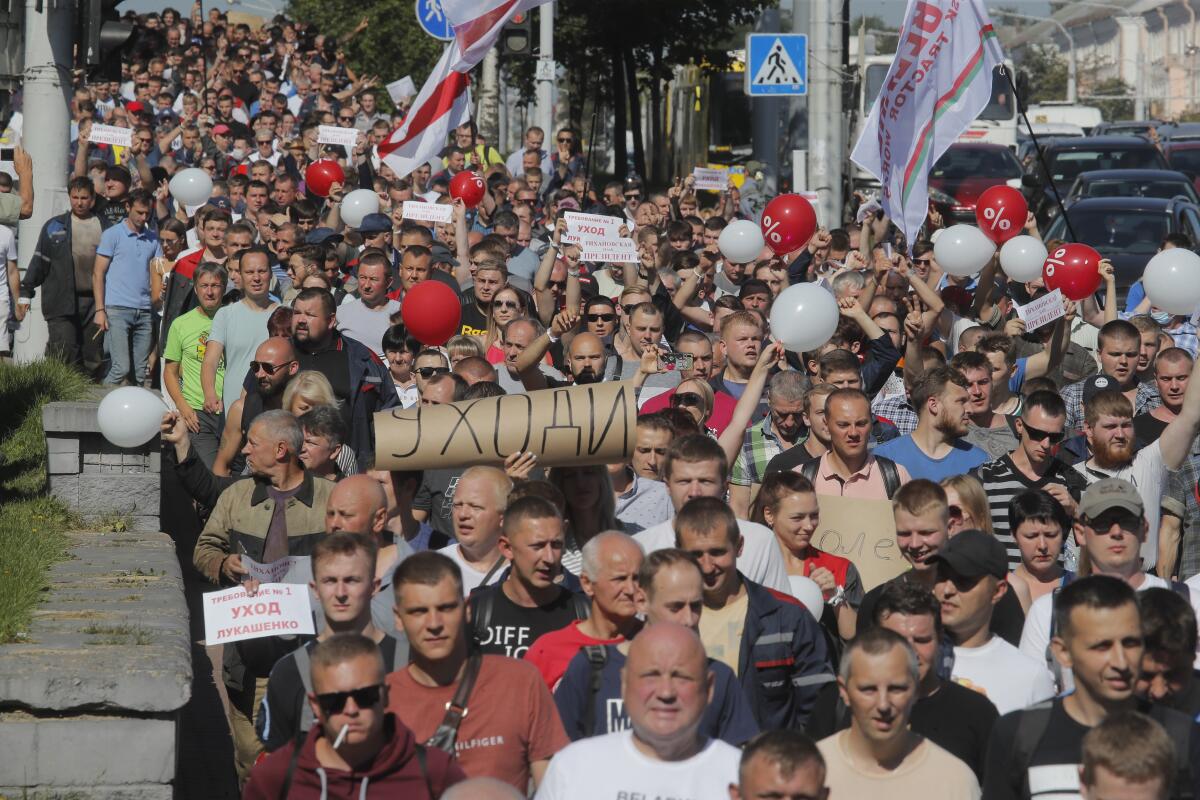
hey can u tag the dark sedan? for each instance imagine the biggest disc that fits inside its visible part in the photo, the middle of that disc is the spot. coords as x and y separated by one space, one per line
965 171
1164 183
1067 158
1127 230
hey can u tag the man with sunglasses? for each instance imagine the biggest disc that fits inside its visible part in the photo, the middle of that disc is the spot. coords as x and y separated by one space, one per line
1033 464
378 755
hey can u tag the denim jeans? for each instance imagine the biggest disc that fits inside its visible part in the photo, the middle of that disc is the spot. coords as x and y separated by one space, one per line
128 326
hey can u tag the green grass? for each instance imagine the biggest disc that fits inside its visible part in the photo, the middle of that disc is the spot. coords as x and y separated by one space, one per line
33 533
24 389
32 525
118 634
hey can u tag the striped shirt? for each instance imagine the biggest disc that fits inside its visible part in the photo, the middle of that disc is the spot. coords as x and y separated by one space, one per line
1002 481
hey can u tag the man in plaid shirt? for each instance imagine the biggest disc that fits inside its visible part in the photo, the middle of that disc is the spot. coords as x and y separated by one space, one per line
1118 345
780 430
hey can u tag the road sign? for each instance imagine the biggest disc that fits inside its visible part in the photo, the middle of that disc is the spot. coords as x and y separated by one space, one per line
433 20
776 64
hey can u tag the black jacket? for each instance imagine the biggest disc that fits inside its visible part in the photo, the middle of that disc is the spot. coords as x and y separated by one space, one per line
53 266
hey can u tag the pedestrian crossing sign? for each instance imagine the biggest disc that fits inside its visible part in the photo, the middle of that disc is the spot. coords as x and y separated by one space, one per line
776 64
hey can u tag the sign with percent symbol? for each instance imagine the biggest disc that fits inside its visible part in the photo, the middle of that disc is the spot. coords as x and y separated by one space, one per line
1001 212
788 222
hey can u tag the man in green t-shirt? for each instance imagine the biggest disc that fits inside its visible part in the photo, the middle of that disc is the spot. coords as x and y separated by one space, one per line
187 340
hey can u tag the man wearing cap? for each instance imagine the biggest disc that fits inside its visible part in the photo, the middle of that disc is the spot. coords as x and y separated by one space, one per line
376 231
971 570
1108 429
1110 528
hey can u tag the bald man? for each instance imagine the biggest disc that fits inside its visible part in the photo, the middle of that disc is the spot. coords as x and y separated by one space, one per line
609 576
586 358
273 365
477 512
666 687
358 504
474 369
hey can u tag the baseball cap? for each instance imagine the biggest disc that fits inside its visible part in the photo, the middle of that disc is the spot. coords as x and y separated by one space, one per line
441 255
1109 493
322 236
1099 383
973 554
220 202
135 107
221 129
375 223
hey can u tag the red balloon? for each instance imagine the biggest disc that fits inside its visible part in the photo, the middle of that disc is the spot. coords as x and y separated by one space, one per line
1074 269
322 175
788 222
1001 213
431 311
469 187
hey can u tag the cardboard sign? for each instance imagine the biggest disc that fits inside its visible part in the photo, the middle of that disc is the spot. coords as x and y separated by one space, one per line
278 609
290 569
402 89
111 135
1042 311
711 180
417 211
576 425
332 134
863 531
597 226
613 251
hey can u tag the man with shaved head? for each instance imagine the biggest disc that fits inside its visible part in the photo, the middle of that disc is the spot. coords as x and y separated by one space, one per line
586 358
611 561
474 369
666 687
273 365
477 512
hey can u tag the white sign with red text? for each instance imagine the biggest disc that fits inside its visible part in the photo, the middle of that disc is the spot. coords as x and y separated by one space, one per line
417 211
712 180
277 609
613 251
1042 311
592 226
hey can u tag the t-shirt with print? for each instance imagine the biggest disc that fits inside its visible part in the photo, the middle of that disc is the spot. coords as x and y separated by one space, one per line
436 497
240 328
511 720
1003 674
513 628
187 341
612 768
472 321
727 717
721 630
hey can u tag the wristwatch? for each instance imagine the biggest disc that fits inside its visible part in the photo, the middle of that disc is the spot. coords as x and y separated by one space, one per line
838 598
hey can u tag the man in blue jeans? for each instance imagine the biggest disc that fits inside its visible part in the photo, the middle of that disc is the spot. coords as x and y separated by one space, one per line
121 277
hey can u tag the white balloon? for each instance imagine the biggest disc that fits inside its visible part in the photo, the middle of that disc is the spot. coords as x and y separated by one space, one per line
1172 281
357 204
192 187
809 594
741 241
130 416
1022 258
804 316
963 250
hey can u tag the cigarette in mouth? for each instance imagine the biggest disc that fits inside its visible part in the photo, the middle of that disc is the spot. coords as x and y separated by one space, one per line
341 737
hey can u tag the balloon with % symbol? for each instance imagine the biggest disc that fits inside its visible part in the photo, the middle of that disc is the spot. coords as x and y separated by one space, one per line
996 220
771 229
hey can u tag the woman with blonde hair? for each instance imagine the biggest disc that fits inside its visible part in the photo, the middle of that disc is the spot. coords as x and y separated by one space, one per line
696 398
507 305
968 505
462 346
306 391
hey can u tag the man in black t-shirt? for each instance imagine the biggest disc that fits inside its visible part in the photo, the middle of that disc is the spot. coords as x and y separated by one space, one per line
1035 753
509 616
951 716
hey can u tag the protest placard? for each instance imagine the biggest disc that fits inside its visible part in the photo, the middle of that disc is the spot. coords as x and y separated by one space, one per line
402 89
417 211
111 135
863 531
290 569
614 251
709 179
332 134
277 609
576 425
597 226
1042 311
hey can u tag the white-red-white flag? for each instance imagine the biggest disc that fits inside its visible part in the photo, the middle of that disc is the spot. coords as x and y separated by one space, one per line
444 102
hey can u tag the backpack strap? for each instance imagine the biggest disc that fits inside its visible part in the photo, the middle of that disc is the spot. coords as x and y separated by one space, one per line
423 765
597 656
481 617
809 469
447 732
304 666
1032 723
581 605
891 475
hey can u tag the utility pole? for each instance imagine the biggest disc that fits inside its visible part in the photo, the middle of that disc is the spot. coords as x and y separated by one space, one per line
46 136
826 148
489 98
545 71
764 116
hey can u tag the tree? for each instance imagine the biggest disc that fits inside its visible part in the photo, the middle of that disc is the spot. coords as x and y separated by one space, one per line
1045 72
1114 98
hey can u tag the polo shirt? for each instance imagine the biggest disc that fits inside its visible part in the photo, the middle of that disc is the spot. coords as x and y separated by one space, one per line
867 483
127 282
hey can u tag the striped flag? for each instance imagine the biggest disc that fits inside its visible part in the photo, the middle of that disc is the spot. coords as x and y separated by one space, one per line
444 102
939 82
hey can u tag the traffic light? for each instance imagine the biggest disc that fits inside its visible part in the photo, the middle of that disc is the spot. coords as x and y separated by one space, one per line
103 37
516 37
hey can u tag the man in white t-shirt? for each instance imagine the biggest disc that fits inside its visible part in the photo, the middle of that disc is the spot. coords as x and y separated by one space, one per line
10 287
477 514
971 570
666 686
1111 527
695 466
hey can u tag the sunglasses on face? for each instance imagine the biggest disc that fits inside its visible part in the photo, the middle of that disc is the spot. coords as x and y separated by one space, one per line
270 369
634 196
513 304
345 119
601 317
1038 435
429 372
1104 522
681 399
962 583
565 140
925 261
335 702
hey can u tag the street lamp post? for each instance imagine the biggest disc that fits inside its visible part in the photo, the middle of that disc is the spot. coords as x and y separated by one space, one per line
1072 66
